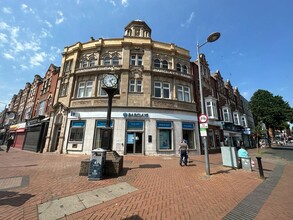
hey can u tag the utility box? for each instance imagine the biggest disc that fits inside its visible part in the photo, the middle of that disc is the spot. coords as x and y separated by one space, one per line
246 163
97 164
229 156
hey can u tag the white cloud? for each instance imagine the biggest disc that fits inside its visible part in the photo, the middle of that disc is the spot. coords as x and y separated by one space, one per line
60 18
45 33
124 3
3 38
6 10
14 32
48 23
112 2
26 9
8 56
4 26
38 58
23 67
188 21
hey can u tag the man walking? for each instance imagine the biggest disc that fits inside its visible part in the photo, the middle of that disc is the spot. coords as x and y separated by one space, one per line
183 150
9 143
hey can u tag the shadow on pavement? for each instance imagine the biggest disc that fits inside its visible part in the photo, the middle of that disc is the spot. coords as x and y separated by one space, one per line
133 217
223 171
13 198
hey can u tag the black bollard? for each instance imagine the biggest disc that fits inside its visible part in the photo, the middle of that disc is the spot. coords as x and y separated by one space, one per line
260 167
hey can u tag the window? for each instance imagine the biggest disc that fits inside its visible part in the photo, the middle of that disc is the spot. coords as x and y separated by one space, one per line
28 113
67 66
135 85
184 69
84 89
211 109
236 118
157 63
180 93
186 94
63 91
178 67
162 90
166 90
42 107
139 60
165 64
243 120
84 63
226 114
136 60
92 61
164 132
77 131
133 59
102 92
157 89
107 61
115 61
183 93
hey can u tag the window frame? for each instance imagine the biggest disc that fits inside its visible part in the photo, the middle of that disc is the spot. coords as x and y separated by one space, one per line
211 109
72 127
84 89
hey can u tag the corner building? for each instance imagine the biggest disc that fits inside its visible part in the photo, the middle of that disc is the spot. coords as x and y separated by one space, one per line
153 111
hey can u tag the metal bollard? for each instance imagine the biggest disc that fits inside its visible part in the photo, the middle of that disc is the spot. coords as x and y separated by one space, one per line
260 167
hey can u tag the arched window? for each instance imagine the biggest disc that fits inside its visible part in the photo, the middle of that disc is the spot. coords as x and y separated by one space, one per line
115 61
178 67
92 61
165 64
184 69
157 63
107 61
83 62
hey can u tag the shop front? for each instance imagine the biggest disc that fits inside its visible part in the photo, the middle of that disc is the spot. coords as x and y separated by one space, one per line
143 133
18 133
232 134
36 130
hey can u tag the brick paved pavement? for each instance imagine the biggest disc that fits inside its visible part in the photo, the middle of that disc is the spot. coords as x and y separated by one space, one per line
165 190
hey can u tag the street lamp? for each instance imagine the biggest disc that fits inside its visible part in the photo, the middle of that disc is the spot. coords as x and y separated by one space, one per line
211 38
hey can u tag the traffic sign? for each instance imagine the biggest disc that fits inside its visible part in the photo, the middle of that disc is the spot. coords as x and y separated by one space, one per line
203 118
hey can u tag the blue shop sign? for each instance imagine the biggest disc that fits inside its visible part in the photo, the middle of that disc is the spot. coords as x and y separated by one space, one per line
164 124
186 125
102 123
135 125
78 123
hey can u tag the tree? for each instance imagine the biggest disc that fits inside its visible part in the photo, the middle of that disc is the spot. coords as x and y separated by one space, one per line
271 110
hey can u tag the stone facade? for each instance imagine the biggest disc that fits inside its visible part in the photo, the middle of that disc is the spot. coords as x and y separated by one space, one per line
155 92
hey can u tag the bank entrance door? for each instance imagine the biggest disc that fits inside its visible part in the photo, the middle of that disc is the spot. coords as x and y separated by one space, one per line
134 143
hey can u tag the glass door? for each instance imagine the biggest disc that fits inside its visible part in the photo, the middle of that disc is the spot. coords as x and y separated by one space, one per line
134 142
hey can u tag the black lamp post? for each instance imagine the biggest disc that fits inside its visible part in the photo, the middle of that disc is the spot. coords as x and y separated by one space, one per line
110 82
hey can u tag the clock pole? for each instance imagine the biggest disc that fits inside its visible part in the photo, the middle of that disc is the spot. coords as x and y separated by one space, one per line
107 136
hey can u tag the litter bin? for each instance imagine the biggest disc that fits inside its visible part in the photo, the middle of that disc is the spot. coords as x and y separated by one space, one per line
97 163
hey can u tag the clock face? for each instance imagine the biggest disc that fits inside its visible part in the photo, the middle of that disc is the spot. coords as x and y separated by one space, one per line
110 80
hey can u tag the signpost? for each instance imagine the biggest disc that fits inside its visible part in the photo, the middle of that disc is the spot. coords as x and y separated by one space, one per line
203 120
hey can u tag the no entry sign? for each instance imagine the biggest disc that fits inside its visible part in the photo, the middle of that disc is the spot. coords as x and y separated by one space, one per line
203 118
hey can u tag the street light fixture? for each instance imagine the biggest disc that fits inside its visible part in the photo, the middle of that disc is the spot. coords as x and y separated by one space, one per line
211 38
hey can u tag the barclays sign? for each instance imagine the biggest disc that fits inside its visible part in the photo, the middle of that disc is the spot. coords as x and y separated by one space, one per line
135 115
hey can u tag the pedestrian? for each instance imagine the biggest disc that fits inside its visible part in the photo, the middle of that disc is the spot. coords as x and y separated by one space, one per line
10 141
183 150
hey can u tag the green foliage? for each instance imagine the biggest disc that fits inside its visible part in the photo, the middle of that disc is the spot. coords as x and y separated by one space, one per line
271 110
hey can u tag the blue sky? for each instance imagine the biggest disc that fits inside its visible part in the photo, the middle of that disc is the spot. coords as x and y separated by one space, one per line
255 50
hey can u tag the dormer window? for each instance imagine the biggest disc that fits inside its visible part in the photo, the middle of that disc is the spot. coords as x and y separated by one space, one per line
107 61
178 67
157 63
165 64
